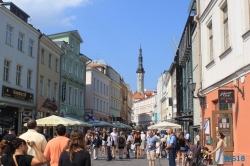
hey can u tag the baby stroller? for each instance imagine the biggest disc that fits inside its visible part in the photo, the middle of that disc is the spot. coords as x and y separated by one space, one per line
196 156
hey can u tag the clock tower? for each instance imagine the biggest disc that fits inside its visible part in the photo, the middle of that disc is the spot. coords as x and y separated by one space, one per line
140 73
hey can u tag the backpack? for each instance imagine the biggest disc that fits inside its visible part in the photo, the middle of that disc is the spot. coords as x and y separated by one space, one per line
177 146
121 141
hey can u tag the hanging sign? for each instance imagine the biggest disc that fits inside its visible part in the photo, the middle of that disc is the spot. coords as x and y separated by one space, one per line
226 96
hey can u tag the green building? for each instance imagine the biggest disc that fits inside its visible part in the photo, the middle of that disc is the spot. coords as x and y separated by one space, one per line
73 74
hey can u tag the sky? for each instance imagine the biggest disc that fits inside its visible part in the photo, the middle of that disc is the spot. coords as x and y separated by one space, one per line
113 30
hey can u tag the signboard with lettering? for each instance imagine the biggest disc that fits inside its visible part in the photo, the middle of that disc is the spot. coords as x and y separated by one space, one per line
63 91
226 96
17 94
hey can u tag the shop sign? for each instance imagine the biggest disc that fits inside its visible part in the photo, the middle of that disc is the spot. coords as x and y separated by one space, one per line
17 94
63 91
226 96
224 126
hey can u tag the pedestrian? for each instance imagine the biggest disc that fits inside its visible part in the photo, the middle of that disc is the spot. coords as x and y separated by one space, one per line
137 142
180 148
9 137
45 134
219 157
89 140
158 149
130 140
96 146
151 147
114 135
186 136
143 144
33 135
171 147
55 146
104 141
75 153
18 155
109 146
121 144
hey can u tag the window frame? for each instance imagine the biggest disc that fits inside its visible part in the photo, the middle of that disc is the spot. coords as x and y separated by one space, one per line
42 56
29 78
18 74
49 89
56 65
30 49
211 42
226 27
6 71
75 97
55 91
70 95
20 44
64 64
50 60
9 34
41 91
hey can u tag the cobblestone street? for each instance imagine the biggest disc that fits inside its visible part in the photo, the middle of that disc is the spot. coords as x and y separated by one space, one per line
127 162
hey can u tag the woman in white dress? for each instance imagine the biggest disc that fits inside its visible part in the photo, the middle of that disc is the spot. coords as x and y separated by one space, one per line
219 156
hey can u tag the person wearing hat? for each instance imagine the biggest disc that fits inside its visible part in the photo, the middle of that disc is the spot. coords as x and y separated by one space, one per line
10 137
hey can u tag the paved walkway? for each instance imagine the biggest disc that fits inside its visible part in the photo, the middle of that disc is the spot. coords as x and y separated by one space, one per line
101 161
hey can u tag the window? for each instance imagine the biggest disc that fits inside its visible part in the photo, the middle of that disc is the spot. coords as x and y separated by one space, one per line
72 44
210 30
100 105
31 42
106 106
76 70
103 108
98 85
80 100
70 94
56 67
50 61
94 84
75 98
101 88
41 86
18 74
48 89
104 91
226 28
42 56
70 67
64 64
9 30
81 76
55 91
97 102
20 41
107 90
29 76
94 103
6 72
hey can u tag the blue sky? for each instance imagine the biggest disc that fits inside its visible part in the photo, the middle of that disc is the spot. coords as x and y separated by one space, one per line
113 30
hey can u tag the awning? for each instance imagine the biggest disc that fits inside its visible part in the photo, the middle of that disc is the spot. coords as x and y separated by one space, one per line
188 118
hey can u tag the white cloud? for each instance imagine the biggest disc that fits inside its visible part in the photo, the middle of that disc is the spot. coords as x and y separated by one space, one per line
49 13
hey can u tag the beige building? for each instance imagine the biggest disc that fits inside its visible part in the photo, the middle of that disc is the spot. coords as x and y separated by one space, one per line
48 77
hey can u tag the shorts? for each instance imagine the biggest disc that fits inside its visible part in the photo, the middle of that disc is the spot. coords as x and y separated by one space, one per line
143 145
158 150
103 143
151 155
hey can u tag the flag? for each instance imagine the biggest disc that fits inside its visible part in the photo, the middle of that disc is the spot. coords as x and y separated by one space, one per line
50 105
90 117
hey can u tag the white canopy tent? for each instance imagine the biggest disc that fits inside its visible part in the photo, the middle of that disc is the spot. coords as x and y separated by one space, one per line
56 120
165 125
79 121
98 123
122 125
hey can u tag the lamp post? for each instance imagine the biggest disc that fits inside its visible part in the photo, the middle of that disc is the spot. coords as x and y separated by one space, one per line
191 85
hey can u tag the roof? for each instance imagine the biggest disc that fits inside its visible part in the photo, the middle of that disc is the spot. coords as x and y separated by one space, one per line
75 33
144 95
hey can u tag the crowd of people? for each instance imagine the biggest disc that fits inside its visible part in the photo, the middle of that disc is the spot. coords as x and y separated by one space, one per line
77 149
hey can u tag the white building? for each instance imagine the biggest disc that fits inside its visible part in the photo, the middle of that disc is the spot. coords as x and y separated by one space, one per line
144 111
97 93
18 73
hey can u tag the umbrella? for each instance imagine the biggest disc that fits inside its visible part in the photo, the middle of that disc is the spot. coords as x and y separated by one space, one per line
122 125
79 121
98 123
164 125
56 120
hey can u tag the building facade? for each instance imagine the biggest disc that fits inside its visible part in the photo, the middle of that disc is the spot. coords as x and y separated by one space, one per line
225 70
73 74
97 92
18 76
124 109
48 81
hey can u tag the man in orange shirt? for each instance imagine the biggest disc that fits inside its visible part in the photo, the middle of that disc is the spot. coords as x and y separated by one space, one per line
56 145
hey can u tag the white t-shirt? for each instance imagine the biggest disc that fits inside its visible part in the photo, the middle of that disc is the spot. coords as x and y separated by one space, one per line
143 137
114 136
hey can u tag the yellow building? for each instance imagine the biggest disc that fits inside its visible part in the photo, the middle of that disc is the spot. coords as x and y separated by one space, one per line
48 77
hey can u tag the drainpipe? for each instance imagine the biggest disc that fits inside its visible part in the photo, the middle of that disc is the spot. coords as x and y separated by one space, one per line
196 19
38 64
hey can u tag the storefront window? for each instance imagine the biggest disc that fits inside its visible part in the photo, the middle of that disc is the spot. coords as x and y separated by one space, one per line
225 106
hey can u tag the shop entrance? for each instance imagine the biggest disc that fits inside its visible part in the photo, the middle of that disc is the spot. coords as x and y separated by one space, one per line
8 118
222 121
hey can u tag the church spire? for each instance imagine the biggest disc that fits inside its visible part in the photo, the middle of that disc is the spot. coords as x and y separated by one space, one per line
140 68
